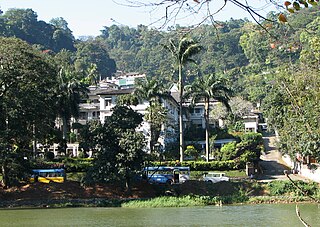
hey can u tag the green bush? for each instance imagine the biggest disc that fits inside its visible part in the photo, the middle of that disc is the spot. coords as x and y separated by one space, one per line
251 137
204 166
191 151
288 188
228 151
249 156
77 164
49 156
69 164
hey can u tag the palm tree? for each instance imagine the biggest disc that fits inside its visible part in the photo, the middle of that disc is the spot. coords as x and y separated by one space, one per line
153 90
205 88
69 94
182 54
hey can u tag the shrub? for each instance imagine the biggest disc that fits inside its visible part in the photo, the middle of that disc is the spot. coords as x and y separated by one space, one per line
69 164
49 156
287 188
191 151
228 151
77 164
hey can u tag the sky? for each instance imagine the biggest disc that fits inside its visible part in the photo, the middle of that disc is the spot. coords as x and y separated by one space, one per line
87 18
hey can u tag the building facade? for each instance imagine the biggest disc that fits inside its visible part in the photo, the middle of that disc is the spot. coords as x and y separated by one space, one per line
103 98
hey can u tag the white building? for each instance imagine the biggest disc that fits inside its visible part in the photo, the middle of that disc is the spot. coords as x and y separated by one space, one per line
251 123
104 97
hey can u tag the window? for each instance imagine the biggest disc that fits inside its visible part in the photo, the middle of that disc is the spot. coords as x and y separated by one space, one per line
83 116
108 101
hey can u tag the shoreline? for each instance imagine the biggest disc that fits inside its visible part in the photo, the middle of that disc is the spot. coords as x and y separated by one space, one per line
117 202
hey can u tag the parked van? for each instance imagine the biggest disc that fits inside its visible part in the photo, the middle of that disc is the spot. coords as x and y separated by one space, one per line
215 177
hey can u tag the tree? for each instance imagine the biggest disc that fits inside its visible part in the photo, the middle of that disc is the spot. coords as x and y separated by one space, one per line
118 146
182 53
62 35
130 157
27 98
156 116
94 52
69 94
292 109
153 90
310 54
23 24
208 88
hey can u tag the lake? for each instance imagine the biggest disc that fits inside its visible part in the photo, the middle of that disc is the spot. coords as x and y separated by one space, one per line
235 215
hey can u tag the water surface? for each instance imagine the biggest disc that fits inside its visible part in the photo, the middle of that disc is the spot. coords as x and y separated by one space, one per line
239 215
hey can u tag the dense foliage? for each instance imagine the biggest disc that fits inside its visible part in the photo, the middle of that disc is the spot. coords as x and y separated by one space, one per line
27 104
24 24
118 147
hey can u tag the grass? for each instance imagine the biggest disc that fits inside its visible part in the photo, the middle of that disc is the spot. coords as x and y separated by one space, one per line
170 201
186 201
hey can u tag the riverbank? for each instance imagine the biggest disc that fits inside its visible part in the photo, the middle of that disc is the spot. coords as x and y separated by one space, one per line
142 194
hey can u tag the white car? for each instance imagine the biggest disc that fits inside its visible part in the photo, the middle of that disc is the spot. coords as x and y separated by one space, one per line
215 177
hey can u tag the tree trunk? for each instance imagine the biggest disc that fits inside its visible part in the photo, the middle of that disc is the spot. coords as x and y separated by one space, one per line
128 183
64 127
206 117
151 144
5 177
181 134
34 142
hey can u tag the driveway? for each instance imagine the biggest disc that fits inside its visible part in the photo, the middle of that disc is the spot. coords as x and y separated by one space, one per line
271 163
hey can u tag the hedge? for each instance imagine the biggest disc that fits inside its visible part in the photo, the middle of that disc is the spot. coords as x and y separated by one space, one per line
69 164
204 166
83 164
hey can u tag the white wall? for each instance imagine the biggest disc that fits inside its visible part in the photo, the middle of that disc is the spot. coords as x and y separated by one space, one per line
303 169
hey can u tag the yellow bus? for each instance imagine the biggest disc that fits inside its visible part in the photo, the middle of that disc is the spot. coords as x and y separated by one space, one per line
48 175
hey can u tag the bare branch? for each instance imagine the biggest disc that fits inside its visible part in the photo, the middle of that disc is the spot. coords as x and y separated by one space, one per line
173 9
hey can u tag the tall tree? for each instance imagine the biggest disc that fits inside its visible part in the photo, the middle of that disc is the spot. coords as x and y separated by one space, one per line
27 98
210 88
69 94
182 54
153 90
118 145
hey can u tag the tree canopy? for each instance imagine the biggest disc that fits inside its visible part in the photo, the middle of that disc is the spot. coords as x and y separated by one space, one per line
27 100
24 24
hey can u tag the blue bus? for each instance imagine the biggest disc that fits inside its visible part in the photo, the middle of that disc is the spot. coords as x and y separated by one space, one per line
48 175
167 174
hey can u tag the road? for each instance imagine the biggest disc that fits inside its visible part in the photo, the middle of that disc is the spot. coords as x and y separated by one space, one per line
272 164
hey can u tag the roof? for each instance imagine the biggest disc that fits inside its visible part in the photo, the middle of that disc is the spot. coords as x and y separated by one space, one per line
116 92
48 170
176 96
